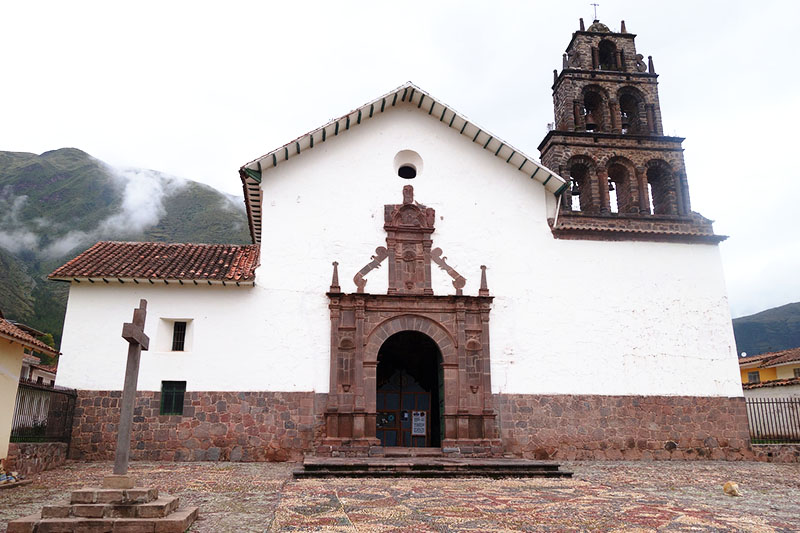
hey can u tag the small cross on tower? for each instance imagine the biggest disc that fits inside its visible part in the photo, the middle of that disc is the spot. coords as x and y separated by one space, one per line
133 332
595 10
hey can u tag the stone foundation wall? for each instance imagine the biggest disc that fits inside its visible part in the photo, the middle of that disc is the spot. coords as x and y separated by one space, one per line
577 427
215 426
281 426
30 458
777 453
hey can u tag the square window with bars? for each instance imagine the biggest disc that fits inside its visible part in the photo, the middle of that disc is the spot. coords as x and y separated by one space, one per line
753 377
797 372
172 393
179 336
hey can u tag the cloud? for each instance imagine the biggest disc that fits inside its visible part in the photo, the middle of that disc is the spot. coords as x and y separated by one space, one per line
143 199
14 236
142 207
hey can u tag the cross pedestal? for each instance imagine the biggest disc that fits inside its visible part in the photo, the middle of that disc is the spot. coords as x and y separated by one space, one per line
119 505
133 332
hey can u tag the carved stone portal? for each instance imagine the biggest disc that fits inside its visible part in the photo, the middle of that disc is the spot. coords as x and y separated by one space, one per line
457 324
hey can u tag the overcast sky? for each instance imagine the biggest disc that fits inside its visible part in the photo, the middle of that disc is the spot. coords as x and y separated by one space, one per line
197 89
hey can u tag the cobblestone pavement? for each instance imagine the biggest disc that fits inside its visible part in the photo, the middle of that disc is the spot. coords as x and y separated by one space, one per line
606 496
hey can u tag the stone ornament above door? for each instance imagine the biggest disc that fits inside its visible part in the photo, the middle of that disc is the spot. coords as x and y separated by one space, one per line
458 324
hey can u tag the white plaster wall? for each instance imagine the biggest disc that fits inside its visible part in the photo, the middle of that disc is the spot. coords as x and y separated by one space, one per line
578 317
235 344
11 355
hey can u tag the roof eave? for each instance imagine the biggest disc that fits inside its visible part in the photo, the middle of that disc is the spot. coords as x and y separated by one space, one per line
29 345
156 281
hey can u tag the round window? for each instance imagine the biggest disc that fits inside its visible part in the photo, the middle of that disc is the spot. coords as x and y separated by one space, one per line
407 164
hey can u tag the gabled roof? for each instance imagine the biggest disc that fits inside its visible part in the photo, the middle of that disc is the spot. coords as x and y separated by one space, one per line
164 262
408 94
12 333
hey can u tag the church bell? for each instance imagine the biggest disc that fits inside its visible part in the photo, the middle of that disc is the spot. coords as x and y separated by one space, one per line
626 121
591 123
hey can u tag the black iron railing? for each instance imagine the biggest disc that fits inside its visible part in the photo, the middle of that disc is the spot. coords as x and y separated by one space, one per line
774 420
43 413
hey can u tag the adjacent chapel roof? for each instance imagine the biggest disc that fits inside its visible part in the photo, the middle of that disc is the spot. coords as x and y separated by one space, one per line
164 262
406 95
13 333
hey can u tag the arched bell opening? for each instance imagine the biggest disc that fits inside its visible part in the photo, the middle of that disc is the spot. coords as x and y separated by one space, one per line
661 188
410 391
621 199
593 110
631 107
607 52
582 193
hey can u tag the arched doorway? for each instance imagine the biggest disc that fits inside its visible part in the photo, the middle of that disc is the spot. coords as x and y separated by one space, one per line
409 391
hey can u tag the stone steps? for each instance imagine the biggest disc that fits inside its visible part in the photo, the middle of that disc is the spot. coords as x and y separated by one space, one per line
135 510
158 508
177 522
398 451
426 467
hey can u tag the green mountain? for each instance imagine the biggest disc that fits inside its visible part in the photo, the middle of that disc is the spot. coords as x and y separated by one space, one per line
55 205
772 330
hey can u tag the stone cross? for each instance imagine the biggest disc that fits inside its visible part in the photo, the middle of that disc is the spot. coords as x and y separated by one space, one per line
137 341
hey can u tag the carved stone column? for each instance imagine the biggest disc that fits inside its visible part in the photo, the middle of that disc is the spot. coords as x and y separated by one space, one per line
577 112
616 118
602 187
644 196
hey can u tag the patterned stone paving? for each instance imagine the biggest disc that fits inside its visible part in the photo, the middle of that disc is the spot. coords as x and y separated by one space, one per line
605 496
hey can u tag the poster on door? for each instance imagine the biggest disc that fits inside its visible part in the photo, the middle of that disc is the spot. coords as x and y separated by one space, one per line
418 423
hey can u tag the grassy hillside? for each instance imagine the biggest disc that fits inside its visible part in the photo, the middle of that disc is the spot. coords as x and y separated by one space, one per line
57 204
768 331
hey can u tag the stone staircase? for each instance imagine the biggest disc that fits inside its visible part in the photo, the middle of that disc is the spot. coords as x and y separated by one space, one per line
425 467
136 510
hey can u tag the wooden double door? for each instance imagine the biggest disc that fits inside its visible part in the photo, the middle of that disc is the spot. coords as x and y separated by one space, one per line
408 392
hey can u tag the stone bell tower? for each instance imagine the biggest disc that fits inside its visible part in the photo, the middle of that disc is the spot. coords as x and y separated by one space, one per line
627 179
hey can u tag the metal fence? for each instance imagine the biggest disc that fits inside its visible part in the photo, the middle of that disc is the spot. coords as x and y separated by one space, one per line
774 420
43 413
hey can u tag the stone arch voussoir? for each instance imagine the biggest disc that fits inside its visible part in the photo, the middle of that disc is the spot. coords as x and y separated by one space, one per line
410 322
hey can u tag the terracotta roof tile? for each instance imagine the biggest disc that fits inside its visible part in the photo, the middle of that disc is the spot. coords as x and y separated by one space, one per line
47 368
163 261
785 356
12 332
771 383
773 358
754 358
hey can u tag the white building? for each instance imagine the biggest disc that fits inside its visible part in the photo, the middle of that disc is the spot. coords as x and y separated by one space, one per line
588 334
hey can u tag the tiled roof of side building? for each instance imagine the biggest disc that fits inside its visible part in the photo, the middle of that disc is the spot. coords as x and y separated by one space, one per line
786 356
118 261
14 334
754 358
773 383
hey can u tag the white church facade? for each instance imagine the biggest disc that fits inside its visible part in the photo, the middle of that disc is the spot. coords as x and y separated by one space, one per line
416 281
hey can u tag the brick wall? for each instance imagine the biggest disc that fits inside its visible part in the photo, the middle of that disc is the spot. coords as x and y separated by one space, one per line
576 427
30 458
215 426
